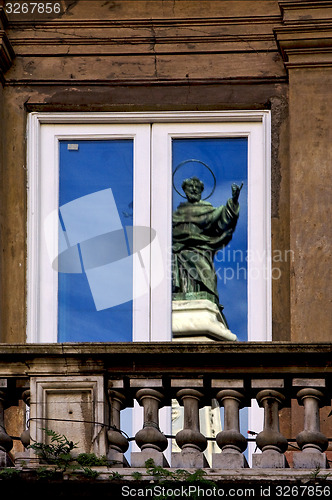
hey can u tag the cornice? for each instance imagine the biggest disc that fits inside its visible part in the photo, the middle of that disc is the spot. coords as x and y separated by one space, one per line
143 36
146 82
305 38
142 46
146 35
3 18
308 36
294 11
89 40
309 47
7 53
143 23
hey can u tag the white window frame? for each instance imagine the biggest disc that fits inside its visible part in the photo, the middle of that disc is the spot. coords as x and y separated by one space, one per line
44 132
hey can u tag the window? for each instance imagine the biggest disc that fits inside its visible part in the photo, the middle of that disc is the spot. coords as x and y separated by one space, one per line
89 308
219 162
101 184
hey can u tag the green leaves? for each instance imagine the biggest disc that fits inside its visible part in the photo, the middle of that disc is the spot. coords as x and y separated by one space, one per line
57 451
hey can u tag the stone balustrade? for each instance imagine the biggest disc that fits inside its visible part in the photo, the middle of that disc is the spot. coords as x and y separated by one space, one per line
84 390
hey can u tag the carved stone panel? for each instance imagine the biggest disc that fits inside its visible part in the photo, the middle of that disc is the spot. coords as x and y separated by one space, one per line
73 406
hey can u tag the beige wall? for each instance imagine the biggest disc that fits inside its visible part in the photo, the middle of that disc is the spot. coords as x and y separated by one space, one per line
13 196
306 46
163 55
1 183
310 204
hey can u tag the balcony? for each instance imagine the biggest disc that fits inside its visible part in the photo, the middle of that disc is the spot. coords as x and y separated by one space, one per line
81 390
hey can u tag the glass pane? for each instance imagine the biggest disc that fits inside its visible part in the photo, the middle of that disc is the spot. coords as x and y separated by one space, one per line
227 159
95 264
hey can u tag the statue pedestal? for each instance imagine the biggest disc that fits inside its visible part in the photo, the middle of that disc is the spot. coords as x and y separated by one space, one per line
198 320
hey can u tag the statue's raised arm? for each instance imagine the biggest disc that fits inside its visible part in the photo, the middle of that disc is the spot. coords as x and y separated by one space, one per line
236 192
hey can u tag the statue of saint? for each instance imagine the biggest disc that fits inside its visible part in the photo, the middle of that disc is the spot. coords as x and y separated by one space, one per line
199 231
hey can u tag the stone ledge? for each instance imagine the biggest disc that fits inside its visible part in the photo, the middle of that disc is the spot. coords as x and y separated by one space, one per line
108 348
235 475
259 359
99 488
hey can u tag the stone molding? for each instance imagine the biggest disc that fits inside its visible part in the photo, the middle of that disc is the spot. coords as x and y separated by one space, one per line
149 35
306 47
21 360
227 48
7 53
304 11
144 21
305 39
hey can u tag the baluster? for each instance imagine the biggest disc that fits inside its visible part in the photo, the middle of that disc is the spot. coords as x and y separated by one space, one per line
150 439
230 440
311 441
190 439
118 443
25 436
23 457
6 442
272 443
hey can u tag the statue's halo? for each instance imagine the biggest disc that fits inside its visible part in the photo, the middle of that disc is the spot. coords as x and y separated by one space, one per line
202 163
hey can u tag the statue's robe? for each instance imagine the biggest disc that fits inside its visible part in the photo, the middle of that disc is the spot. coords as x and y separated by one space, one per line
199 231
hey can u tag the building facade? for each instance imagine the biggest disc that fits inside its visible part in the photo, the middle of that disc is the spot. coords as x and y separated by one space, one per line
153 72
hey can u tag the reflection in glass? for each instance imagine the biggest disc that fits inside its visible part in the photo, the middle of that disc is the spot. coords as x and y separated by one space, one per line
227 158
95 207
